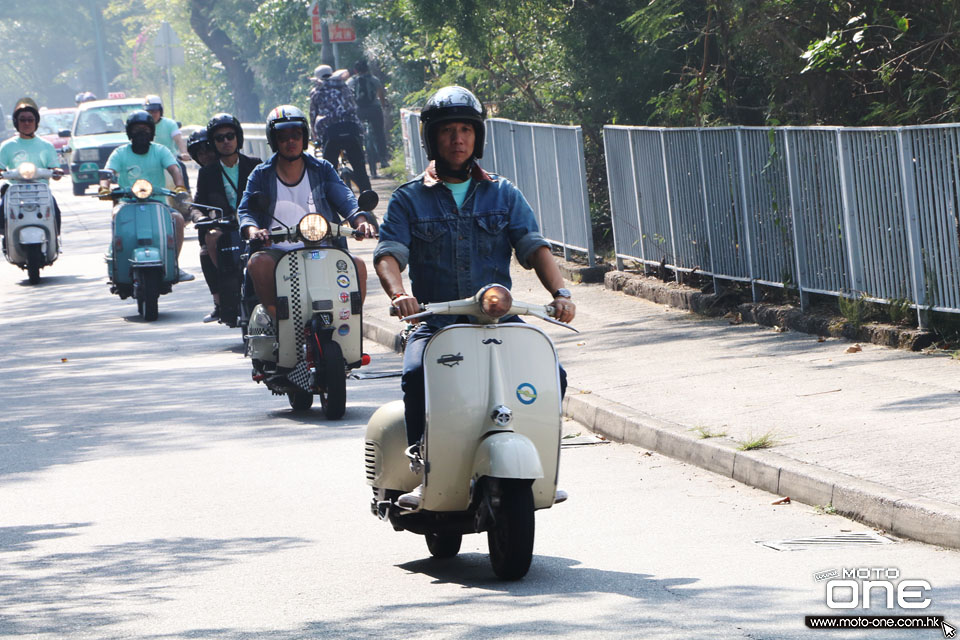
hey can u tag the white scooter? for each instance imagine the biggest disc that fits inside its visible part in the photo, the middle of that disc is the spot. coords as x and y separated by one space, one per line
491 447
318 337
30 239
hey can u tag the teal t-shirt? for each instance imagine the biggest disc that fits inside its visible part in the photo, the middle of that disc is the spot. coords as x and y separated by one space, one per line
165 131
459 190
35 150
233 173
151 165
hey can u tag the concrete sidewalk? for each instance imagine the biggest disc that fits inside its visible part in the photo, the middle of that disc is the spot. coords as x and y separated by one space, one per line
870 433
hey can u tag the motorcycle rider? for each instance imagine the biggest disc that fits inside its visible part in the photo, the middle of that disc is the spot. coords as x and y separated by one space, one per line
333 112
27 147
143 158
200 149
455 225
220 184
371 103
312 183
168 134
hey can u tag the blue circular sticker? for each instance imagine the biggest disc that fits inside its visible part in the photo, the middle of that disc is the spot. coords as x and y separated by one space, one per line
527 393
343 281
343 329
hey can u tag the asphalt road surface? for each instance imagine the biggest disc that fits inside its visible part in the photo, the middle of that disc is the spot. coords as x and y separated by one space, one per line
149 489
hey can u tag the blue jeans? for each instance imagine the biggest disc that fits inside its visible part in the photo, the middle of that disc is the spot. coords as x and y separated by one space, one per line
411 381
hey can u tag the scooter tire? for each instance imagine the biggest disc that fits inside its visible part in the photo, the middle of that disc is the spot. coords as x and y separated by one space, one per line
511 539
149 290
300 400
34 262
443 545
333 381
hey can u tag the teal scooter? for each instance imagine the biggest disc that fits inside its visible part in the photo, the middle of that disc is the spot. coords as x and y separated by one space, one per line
142 257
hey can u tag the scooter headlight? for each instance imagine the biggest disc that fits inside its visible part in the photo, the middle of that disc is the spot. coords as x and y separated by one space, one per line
495 301
27 170
142 189
314 227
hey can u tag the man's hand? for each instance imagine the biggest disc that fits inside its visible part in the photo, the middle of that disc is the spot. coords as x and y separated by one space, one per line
405 305
104 192
256 233
57 173
185 157
565 309
365 230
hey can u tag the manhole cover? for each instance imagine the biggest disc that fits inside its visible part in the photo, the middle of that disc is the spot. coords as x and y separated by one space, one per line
865 538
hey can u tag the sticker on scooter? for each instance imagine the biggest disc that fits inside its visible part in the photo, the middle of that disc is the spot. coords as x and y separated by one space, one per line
314 255
492 341
450 360
526 393
344 314
343 281
343 329
344 296
342 266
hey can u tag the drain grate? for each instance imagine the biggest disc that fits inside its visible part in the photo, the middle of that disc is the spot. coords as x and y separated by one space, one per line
864 538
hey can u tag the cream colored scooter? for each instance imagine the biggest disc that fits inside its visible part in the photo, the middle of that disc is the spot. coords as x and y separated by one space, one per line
30 239
491 446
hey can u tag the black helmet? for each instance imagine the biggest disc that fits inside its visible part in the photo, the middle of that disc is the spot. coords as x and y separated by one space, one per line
284 117
197 141
141 117
25 104
225 120
451 103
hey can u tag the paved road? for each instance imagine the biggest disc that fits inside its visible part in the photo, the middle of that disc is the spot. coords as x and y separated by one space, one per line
149 490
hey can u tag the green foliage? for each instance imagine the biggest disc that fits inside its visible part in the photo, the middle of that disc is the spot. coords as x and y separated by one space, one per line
855 309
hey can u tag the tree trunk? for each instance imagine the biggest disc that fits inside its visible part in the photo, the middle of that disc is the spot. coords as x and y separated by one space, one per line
239 75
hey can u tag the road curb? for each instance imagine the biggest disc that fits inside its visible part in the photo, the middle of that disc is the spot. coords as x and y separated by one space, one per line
896 512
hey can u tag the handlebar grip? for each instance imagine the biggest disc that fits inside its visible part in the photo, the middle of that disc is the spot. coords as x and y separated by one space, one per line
394 312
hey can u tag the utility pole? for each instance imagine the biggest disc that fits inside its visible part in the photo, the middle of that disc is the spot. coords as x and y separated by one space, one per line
96 16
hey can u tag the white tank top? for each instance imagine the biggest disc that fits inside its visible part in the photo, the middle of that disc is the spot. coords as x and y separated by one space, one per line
300 195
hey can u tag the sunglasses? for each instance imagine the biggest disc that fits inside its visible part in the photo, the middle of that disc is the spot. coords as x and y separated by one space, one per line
224 137
289 134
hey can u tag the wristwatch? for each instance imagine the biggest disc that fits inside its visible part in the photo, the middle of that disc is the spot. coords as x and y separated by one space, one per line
562 293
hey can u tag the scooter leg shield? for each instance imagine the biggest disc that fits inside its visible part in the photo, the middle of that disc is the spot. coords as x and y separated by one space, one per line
507 454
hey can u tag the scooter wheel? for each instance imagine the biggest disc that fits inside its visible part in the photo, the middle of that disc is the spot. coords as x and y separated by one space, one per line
444 545
511 538
34 262
300 400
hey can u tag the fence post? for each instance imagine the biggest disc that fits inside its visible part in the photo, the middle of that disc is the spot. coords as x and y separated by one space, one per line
636 195
587 218
793 182
666 180
747 228
556 173
706 208
905 140
851 231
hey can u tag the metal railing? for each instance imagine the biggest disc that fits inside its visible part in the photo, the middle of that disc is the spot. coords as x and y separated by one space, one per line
546 162
255 140
853 212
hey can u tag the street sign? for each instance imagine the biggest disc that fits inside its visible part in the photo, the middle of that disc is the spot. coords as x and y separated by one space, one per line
342 32
339 31
167 51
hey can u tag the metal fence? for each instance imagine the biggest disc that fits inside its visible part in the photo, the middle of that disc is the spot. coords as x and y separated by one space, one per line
255 140
546 162
851 212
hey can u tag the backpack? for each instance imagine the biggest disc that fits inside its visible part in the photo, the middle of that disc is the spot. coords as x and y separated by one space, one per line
365 90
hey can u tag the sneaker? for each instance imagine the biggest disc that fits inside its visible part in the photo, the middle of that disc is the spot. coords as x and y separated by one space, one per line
183 276
214 315
411 500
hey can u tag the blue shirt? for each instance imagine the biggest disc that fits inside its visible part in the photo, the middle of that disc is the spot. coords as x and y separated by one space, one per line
453 251
151 166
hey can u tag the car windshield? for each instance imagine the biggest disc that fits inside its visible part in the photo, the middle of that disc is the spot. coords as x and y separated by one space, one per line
52 123
106 119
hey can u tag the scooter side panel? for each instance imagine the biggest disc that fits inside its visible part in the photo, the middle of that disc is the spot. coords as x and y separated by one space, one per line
387 467
318 275
469 370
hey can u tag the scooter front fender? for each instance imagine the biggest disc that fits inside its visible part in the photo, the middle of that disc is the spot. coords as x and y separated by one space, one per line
507 454
32 235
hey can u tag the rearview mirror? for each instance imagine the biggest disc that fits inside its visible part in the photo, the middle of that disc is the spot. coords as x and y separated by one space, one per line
64 133
368 200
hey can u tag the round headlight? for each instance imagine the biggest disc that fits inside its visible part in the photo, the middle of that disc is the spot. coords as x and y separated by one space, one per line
496 301
27 170
314 227
142 189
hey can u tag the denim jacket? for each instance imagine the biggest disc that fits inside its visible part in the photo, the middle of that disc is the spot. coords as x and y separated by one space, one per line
332 198
452 252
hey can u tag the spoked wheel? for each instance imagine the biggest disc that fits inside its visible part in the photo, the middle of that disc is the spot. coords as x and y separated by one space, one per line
511 538
148 294
300 400
34 262
444 545
332 381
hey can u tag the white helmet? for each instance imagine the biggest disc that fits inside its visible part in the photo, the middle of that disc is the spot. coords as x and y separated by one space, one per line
153 103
